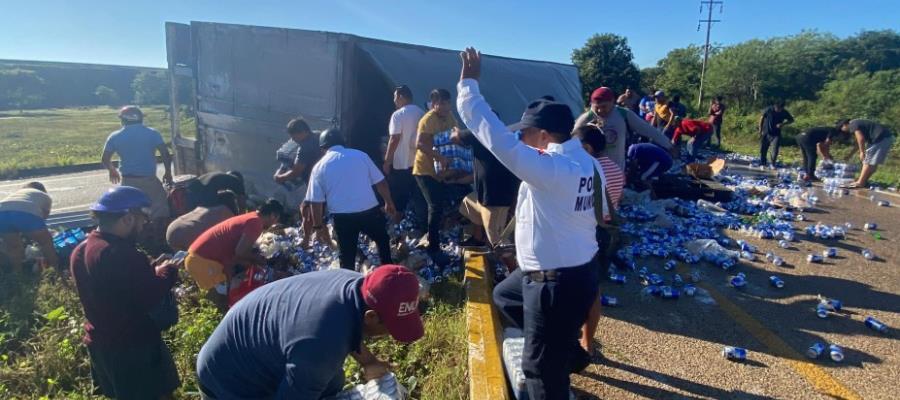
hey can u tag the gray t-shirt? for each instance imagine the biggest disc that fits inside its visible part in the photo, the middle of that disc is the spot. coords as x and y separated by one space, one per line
616 131
286 340
871 130
188 227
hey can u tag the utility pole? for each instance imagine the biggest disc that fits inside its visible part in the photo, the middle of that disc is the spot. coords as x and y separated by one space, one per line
709 21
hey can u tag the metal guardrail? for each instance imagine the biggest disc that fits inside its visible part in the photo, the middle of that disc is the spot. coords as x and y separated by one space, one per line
72 219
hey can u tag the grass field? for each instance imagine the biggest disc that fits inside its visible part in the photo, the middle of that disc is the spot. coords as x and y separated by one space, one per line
66 136
42 357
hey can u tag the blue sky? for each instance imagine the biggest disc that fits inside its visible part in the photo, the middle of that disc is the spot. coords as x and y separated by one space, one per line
132 33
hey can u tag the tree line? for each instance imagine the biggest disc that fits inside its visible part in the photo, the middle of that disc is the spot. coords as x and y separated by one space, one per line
52 85
817 73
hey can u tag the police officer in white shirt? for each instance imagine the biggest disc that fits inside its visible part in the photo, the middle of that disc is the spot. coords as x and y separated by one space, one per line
401 148
550 294
343 178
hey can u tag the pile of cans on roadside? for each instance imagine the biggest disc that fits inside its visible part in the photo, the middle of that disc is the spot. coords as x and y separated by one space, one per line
285 252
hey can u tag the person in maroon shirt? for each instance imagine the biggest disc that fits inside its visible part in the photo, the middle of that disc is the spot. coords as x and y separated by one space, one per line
119 288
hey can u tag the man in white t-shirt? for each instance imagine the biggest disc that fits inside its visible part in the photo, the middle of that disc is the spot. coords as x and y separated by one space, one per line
343 179
401 148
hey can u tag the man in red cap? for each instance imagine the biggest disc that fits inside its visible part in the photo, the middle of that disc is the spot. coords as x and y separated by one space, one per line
289 339
617 124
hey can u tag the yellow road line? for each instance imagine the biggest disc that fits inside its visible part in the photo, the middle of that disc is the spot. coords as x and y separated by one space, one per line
487 379
819 378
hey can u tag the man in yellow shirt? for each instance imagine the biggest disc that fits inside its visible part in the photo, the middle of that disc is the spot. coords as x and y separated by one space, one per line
437 120
663 116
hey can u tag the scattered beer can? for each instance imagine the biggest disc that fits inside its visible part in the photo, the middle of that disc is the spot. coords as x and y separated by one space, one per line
822 310
848 225
876 325
734 353
609 301
668 292
739 281
778 261
776 281
834 304
670 265
677 280
884 203
770 256
618 278
836 353
783 244
813 258
868 254
830 252
870 226
816 350
690 290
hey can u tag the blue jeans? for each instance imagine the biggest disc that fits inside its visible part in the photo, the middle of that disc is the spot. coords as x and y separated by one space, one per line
696 143
550 312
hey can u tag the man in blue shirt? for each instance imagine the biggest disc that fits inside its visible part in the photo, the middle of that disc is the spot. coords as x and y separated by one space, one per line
136 146
646 161
289 339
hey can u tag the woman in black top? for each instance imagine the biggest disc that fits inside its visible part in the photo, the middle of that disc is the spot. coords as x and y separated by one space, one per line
811 142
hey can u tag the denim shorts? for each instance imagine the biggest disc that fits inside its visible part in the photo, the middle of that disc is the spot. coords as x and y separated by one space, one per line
19 221
877 152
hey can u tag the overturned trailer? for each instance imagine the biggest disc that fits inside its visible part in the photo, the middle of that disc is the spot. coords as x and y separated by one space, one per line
249 81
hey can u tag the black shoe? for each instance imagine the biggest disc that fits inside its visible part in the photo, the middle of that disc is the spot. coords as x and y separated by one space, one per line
580 359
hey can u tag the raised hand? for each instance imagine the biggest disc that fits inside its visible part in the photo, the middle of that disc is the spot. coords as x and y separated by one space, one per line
471 64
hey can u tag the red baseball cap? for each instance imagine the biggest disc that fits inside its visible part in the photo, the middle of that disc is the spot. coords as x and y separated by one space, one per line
392 291
602 94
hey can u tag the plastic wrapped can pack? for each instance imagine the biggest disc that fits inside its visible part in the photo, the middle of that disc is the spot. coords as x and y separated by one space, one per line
384 388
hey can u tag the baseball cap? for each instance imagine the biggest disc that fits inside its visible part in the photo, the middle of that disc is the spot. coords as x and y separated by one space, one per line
659 93
602 94
392 291
548 115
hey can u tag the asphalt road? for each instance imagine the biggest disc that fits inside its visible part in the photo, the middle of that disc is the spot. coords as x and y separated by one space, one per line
672 349
70 192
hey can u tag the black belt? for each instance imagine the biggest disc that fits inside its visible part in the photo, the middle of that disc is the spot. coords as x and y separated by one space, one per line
544 276
553 275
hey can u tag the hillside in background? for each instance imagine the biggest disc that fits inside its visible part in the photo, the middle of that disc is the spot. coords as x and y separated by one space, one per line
41 84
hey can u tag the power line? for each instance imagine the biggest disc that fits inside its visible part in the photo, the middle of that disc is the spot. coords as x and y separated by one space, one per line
709 21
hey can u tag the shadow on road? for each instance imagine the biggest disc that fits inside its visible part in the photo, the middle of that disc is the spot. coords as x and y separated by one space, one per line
696 388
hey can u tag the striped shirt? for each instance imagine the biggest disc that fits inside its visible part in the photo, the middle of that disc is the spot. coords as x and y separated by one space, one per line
615 179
